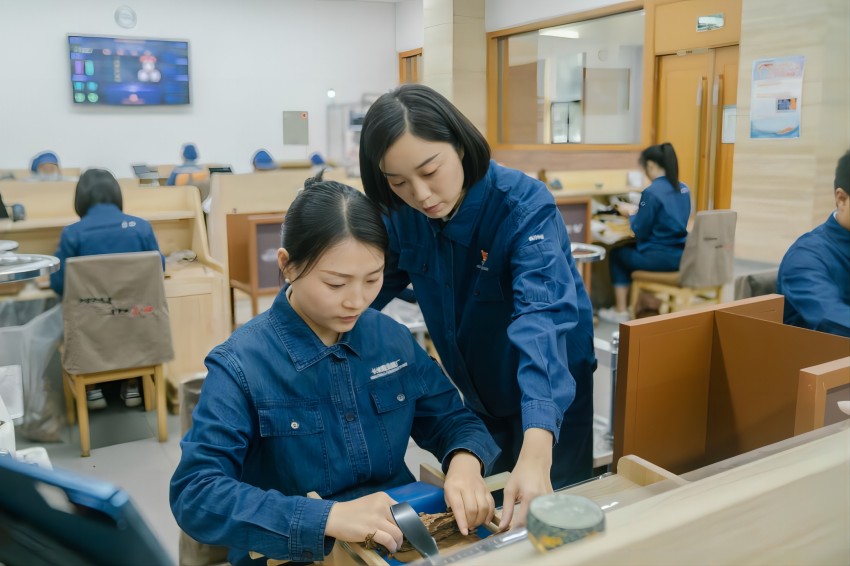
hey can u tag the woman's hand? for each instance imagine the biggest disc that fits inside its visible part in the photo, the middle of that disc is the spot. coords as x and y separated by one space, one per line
353 521
466 493
626 208
529 478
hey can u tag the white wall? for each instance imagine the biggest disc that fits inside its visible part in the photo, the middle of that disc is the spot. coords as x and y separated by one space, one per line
501 14
409 25
249 61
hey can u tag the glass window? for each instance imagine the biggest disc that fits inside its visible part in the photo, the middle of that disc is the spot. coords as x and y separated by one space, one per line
575 83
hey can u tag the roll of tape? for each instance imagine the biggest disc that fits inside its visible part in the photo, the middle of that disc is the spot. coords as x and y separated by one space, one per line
560 518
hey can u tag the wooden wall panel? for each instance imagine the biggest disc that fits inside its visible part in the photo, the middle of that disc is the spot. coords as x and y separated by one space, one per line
783 188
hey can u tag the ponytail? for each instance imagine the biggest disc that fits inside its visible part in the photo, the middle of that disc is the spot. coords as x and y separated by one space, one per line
664 156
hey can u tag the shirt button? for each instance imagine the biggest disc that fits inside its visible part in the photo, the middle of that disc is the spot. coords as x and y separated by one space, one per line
400 397
424 268
294 425
349 417
307 555
476 293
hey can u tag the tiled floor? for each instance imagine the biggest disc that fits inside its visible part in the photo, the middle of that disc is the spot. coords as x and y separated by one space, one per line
125 451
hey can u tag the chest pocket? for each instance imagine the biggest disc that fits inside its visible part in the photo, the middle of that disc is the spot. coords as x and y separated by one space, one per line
395 391
276 420
417 261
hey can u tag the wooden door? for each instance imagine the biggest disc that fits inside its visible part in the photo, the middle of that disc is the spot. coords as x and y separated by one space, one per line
683 87
726 79
692 90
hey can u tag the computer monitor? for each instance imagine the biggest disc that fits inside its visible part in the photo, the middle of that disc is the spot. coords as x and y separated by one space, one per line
56 517
143 171
220 170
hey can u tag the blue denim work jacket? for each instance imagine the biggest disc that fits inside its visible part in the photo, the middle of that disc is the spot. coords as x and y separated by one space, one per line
281 415
501 296
661 222
103 230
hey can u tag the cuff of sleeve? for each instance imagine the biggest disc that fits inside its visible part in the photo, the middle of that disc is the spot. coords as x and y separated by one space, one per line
485 452
307 541
542 414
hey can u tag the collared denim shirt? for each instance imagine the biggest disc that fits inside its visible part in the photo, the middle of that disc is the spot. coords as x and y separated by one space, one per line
501 296
103 230
281 415
661 222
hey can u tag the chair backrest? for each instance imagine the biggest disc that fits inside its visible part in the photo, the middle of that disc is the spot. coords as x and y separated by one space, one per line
708 259
756 284
115 311
200 179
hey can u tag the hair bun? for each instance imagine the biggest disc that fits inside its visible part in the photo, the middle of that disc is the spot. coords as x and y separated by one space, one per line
315 180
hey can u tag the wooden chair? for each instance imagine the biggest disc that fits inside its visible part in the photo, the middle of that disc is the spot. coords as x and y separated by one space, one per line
706 265
253 240
116 327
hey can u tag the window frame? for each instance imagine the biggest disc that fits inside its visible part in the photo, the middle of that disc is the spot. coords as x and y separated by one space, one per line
647 90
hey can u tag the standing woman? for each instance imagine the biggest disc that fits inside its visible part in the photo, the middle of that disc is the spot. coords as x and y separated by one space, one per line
489 258
660 225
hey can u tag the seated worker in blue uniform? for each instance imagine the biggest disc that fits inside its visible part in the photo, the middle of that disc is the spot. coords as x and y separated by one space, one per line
103 229
189 153
321 394
263 161
45 167
814 275
660 225
489 257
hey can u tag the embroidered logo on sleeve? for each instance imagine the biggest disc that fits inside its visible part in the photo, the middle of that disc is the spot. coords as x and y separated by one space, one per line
535 237
387 369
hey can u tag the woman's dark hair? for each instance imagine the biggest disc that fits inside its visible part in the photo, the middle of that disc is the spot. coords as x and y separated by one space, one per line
428 115
97 186
324 214
664 156
842 173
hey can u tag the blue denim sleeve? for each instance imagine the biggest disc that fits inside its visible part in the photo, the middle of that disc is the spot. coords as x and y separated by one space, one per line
643 220
208 499
545 311
152 245
68 247
442 424
812 296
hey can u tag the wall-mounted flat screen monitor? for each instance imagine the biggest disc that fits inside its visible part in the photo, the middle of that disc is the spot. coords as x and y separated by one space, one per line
125 71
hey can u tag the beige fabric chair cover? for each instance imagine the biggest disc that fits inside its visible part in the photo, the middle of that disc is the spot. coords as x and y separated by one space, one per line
756 284
708 259
115 311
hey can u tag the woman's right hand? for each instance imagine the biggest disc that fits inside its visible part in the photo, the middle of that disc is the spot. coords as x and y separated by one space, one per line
354 521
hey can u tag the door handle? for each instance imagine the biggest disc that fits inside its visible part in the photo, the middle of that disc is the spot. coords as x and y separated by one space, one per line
712 148
698 144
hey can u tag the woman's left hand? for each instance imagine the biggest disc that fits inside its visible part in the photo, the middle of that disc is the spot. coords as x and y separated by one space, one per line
466 492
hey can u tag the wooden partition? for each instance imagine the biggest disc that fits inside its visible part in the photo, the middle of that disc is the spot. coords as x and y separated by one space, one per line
21 174
197 291
703 385
819 391
255 272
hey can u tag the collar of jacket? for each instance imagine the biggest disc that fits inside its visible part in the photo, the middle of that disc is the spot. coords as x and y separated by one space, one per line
301 343
459 228
838 233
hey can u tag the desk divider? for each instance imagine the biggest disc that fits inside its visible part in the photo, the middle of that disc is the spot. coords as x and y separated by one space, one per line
699 386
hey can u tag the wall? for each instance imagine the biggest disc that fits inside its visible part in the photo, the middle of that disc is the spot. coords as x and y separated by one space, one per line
409 25
249 61
783 188
501 14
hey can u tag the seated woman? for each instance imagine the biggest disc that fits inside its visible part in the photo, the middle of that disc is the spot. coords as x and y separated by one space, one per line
321 394
660 225
45 167
103 229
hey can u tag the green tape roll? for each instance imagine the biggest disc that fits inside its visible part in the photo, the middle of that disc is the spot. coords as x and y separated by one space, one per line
560 518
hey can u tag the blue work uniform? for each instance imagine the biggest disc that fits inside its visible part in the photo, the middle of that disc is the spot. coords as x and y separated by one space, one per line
814 276
103 230
507 312
660 227
281 414
186 167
